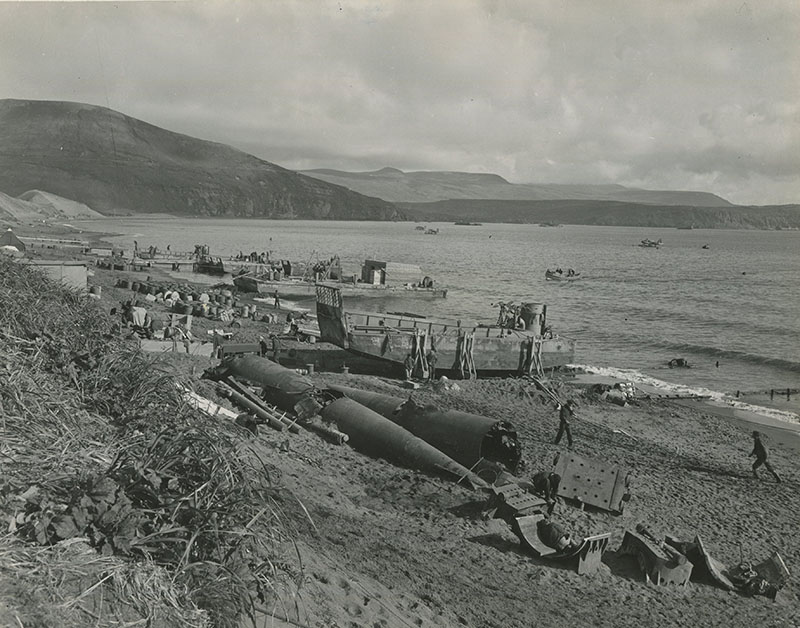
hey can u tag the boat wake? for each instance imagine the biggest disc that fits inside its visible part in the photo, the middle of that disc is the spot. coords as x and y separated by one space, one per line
680 390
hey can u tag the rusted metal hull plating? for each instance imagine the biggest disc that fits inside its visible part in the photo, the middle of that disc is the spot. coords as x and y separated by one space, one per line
589 553
657 566
284 387
466 438
375 435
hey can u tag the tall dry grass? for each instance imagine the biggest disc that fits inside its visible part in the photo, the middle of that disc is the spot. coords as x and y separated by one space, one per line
123 503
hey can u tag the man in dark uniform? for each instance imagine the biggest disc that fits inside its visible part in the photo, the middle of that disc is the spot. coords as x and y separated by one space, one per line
761 453
432 365
545 484
276 349
408 364
565 411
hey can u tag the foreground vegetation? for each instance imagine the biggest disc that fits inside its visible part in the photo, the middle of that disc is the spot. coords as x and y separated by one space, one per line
123 503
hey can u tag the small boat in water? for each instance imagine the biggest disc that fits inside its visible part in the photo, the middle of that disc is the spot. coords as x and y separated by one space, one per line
460 346
650 244
559 275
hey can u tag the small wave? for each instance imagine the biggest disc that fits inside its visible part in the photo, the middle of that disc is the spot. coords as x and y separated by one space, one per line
715 352
670 388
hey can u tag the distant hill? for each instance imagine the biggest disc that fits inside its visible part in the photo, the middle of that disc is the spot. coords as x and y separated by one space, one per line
576 212
35 206
421 187
120 165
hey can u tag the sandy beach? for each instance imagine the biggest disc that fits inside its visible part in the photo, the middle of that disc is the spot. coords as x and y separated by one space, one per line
382 545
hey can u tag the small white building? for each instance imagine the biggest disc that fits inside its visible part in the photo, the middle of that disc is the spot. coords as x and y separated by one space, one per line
71 273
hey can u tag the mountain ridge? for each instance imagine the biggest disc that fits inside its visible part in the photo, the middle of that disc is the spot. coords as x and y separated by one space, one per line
429 186
117 164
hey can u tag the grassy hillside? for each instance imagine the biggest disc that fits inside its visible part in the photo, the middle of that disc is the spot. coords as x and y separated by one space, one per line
116 164
607 213
121 504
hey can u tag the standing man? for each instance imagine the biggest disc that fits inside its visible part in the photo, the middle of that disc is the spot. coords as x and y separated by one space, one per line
432 365
761 453
262 344
565 411
276 349
275 296
408 364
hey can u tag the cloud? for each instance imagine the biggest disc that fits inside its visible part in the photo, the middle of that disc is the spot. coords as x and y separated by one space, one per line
660 94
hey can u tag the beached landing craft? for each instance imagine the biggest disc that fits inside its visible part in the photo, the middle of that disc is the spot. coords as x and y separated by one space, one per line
378 279
463 347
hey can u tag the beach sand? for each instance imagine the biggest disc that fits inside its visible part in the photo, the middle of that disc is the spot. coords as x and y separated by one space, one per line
379 545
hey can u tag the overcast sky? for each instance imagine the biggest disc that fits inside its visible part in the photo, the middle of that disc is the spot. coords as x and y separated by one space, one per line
700 95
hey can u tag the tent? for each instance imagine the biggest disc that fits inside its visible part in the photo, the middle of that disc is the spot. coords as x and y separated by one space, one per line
9 239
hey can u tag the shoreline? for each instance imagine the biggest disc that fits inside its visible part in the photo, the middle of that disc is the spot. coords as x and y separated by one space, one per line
383 535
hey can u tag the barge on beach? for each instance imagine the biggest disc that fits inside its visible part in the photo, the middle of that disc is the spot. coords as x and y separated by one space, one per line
461 347
378 279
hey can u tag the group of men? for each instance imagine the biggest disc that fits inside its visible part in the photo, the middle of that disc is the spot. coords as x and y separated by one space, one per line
428 363
510 316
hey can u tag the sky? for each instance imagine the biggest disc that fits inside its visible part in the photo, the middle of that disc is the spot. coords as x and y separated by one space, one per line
658 94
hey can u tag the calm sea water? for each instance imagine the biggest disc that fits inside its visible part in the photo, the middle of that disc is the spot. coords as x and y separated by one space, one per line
635 308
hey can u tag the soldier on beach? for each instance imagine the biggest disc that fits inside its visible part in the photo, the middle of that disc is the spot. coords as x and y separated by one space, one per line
565 411
545 484
276 348
761 453
277 304
432 365
408 364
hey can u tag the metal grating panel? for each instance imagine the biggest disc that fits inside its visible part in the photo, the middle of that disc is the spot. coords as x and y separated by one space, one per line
592 482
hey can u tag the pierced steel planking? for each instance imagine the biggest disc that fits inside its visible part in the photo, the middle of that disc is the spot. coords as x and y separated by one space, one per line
592 482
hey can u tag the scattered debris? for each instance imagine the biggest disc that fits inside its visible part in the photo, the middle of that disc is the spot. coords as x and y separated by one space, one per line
661 563
766 578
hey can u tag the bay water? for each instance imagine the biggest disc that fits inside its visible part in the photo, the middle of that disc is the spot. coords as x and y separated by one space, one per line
730 309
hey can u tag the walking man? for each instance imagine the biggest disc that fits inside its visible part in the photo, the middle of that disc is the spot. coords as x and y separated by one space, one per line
565 411
761 453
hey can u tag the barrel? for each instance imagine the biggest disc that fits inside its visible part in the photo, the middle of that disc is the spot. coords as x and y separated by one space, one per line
245 311
135 286
96 290
310 369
